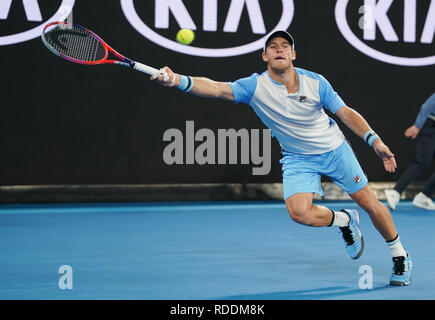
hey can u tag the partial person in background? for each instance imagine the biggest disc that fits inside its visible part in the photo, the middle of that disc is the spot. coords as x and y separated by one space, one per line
424 129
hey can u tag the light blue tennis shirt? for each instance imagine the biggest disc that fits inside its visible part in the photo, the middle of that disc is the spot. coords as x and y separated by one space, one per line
298 121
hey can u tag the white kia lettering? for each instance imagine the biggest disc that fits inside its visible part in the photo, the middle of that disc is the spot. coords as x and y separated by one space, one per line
184 20
31 8
255 16
429 26
33 13
163 9
379 16
210 15
410 21
375 15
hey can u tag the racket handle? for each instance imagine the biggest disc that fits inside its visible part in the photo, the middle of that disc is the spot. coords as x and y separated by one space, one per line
144 68
150 70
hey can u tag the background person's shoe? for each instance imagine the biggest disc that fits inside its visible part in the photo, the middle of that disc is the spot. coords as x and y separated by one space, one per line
393 198
423 201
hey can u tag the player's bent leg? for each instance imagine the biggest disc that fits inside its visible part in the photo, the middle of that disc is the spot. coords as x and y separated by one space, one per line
383 222
301 209
378 212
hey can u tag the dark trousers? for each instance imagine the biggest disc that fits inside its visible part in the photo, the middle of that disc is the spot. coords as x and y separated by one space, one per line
424 154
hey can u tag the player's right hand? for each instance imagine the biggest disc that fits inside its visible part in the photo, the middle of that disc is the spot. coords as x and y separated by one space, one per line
166 77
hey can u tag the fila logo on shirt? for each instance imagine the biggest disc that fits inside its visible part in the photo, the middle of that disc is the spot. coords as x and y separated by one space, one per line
222 22
29 18
398 32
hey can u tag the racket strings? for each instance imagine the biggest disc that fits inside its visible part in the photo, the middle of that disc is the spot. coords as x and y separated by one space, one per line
75 43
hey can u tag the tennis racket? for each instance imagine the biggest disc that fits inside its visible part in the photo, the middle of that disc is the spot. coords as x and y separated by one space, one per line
80 45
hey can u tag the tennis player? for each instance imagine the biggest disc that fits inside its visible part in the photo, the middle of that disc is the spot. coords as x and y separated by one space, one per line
290 102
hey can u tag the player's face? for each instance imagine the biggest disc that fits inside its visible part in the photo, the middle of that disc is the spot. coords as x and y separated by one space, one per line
279 54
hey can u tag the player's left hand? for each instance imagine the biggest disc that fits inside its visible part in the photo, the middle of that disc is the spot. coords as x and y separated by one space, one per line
386 155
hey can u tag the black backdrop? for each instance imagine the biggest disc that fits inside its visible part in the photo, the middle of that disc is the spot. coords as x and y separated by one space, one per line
62 123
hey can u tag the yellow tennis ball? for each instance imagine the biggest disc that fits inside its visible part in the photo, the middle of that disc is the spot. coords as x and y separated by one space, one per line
185 36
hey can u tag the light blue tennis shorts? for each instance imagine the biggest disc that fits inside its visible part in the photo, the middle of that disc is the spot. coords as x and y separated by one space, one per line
302 172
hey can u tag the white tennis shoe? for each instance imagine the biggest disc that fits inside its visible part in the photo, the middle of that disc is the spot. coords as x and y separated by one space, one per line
423 201
393 198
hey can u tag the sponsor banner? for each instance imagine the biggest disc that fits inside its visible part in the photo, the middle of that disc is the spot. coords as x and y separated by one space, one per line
411 29
164 9
63 123
33 14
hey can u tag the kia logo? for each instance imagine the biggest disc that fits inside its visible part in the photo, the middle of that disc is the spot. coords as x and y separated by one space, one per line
33 14
176 8
376 24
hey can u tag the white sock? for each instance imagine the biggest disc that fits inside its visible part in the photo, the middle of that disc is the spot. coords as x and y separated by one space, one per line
341 219
396 247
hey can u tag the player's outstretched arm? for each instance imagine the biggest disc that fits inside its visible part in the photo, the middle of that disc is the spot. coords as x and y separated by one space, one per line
199 86
359 126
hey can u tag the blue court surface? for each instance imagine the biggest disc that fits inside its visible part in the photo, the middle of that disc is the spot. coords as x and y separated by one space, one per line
202 251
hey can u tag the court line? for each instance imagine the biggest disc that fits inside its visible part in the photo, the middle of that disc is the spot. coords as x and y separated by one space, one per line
128 207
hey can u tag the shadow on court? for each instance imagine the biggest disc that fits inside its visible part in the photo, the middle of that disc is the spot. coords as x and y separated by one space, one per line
309 294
